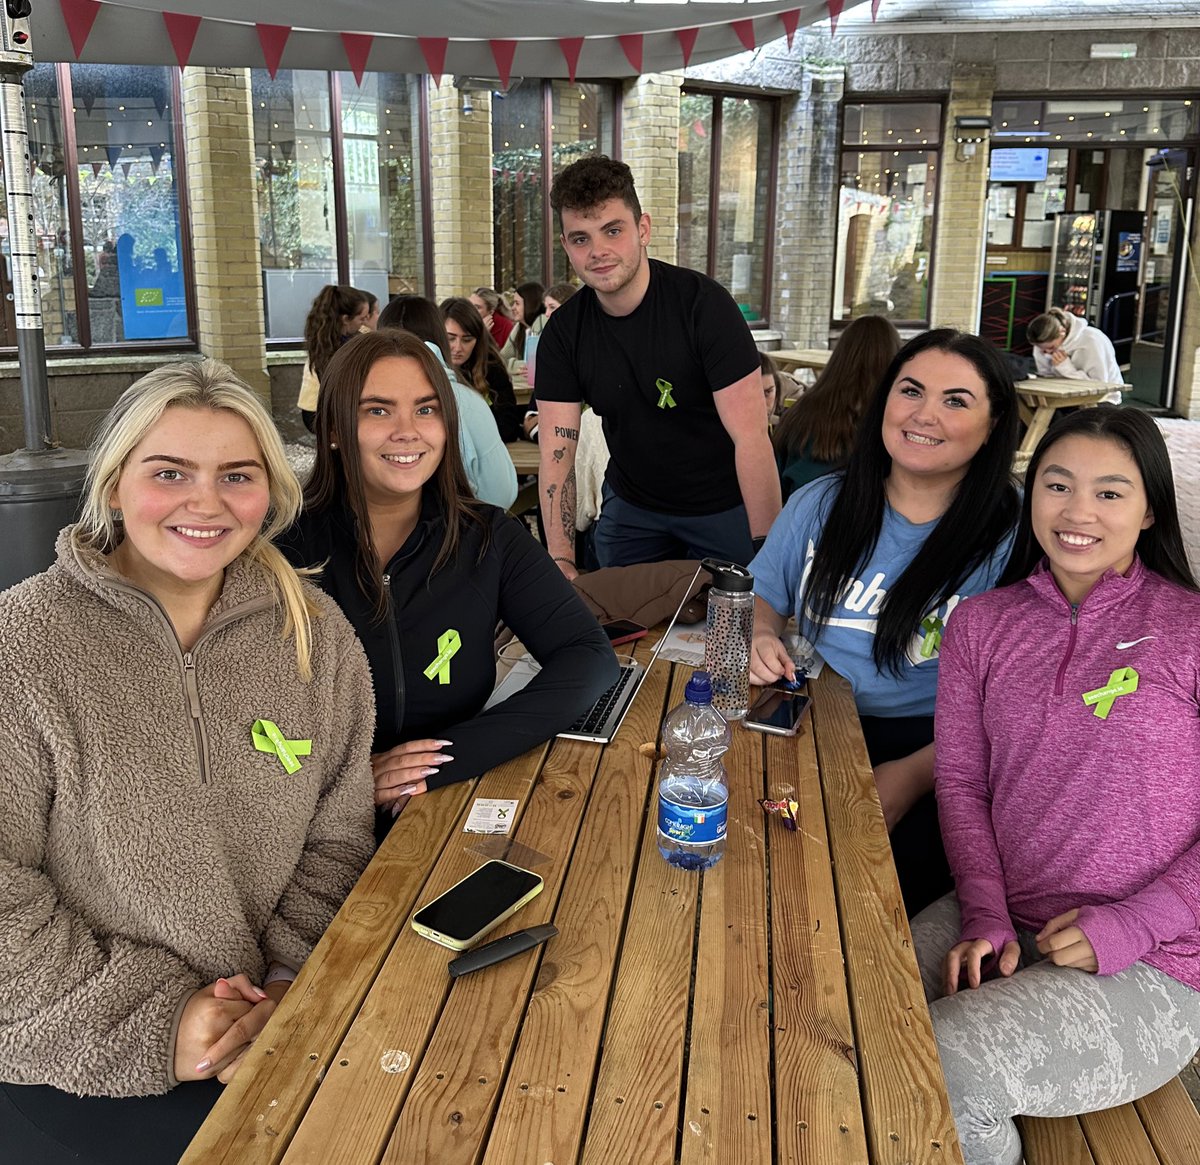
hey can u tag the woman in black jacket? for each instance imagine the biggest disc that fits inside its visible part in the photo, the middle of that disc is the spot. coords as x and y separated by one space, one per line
425 573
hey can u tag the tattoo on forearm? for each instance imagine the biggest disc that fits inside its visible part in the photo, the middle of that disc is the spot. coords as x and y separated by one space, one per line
570 434
566 507
559 454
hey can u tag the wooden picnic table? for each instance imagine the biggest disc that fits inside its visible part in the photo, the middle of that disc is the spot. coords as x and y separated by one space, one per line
790 359
1040 397
767 1011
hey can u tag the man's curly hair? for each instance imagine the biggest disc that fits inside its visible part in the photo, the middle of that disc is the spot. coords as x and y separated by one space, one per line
591 181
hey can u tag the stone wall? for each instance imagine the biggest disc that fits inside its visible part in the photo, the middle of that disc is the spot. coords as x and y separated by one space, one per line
650 146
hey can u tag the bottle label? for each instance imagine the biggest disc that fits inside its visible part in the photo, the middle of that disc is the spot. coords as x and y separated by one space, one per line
692 824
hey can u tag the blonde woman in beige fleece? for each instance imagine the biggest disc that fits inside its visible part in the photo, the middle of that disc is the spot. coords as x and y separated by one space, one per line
165 865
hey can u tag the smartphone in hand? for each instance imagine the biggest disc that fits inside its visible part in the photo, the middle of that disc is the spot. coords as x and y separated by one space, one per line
778 712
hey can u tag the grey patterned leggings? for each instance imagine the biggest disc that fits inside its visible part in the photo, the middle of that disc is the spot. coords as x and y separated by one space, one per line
1049 1041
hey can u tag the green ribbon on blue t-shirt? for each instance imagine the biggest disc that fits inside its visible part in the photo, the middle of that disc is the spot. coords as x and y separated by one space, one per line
1123 682
665 399
932 625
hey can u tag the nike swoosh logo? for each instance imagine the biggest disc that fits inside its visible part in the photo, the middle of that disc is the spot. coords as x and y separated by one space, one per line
1134 642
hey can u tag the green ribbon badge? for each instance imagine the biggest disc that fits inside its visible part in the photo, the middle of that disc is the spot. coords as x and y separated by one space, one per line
665 399
448 645
268 738
933 627
1123 682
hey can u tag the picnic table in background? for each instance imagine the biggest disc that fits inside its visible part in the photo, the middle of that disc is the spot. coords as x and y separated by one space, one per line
1040 397
769 1010
790 359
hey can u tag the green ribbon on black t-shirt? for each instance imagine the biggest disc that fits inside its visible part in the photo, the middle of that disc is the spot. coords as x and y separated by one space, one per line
665 399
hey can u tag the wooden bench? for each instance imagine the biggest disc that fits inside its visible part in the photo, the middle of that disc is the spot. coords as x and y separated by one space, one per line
1160 1129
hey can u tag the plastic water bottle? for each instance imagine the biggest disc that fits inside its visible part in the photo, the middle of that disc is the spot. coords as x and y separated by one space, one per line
693 795
728 636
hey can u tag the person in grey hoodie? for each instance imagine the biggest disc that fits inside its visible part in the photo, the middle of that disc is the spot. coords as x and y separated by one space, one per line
184 762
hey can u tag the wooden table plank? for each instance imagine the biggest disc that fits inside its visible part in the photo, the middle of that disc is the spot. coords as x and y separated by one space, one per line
543 1107
375 1064
1054 1142
904 1097
449 1108
256 1115
1170 1122
636 1104
524 456
789 359
818 1108
727 1106
1116 1137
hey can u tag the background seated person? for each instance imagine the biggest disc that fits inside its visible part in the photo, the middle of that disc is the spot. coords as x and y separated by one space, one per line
530 312
488 467
164 872
554 298
338 313
490 306
1066 345
873 559
1068 729
425 572
474 357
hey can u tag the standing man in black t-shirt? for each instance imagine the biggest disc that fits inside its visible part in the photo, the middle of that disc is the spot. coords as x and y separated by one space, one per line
665 358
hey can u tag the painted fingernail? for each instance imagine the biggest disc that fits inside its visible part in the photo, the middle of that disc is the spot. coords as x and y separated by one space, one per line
261 993
429 772
442 758
409 790
445 744
203 1066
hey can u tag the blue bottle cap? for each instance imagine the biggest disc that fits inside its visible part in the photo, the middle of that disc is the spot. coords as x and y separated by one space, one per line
699 688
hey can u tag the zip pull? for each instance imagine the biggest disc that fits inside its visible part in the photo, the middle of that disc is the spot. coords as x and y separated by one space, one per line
387 581
189 683
1074 613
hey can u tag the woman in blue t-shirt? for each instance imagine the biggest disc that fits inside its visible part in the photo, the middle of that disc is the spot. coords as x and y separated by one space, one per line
871 561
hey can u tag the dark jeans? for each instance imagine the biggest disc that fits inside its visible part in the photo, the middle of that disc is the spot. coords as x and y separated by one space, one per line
917 839
40 1125
626 534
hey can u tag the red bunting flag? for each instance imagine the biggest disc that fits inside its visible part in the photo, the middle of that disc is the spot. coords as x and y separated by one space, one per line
97 169
273 37
791 21
182 30
503 52
358 48
127 166
875 9
745 33
631 43
835 10
687 42
571 46
433 49
79 16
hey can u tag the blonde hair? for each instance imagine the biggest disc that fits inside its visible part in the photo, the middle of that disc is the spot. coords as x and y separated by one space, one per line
206 384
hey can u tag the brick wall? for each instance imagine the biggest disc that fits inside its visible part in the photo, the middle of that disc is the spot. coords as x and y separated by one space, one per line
225 221
650 146
461 188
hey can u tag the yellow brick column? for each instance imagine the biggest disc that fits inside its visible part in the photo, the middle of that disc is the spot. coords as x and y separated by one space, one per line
962 207
225 224
650 146
461 189
1187 375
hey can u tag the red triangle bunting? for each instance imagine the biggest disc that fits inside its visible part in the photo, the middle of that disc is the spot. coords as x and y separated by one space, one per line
273 37
182 30
503 52
571 47
433 48
835 10
631 43
358 48
97 169
745 33
875 9
687 42
79 16
791 21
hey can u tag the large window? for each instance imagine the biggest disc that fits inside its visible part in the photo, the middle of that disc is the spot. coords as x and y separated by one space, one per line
727 157
339 188
111 251
889 169
538 129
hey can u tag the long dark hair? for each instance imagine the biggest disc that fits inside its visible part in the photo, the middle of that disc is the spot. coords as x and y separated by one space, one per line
1160 545
416 314
826 417
485 353
337 476
981 513
533 297
323 326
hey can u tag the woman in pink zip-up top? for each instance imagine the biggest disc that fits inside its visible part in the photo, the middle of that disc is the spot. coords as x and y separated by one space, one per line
1064 974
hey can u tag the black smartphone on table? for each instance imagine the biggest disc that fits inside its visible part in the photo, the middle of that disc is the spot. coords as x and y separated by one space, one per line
479 903
778 712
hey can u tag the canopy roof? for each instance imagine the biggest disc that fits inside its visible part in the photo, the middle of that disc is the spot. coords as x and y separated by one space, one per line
620 38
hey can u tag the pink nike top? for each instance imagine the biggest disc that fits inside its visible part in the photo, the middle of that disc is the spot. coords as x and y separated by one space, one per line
1047 805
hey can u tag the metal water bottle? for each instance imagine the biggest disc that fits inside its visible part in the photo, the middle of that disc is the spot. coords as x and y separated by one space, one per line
727 636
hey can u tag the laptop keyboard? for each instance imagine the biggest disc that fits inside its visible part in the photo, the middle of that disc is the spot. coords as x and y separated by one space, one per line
593 719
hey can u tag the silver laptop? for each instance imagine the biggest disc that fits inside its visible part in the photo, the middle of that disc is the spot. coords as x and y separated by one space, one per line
600 722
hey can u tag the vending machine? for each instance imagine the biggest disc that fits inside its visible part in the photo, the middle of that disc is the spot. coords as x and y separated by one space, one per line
1095 270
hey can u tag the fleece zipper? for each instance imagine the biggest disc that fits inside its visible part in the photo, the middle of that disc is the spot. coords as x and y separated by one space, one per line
1062 668
397 656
